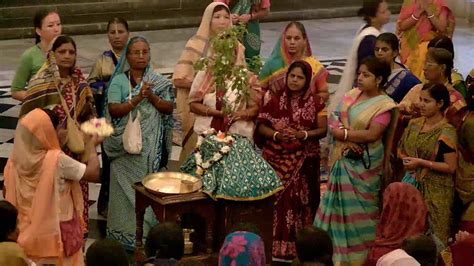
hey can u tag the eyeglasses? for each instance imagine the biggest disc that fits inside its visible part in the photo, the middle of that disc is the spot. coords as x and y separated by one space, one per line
139 53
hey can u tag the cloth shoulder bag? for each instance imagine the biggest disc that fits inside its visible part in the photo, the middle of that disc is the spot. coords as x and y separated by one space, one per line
132 136
75 139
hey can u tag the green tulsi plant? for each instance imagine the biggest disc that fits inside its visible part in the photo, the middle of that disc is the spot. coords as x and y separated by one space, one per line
226 73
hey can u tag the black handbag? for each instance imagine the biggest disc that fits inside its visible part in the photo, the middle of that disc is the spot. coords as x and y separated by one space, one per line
350 154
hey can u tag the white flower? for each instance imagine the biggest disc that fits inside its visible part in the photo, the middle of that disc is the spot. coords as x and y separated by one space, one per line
225 149
198 157
199 171
229 139
217 157
206 165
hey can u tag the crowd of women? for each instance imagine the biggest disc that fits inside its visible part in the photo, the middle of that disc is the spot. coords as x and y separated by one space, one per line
399 129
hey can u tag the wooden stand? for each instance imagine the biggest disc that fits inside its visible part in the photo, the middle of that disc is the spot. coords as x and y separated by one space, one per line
173 208
258 213
198 211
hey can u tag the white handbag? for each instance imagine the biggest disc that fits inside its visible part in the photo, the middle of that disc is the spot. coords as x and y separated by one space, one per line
132 136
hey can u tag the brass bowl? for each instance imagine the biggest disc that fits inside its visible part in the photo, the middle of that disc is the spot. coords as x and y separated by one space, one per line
171 183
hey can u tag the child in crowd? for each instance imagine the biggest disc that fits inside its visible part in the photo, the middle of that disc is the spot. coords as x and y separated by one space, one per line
423 249
106 252
164 245
10 252
314 247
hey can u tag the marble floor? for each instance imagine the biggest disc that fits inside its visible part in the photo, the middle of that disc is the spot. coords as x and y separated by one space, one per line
330 40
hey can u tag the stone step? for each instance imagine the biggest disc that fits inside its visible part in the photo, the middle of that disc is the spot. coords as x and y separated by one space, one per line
90 12
13 3
89 17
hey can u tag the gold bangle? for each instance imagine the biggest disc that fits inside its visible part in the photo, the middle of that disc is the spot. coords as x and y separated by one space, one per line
305 135
274 135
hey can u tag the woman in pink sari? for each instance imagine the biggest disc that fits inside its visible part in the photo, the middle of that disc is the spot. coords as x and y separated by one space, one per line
418 23
42 182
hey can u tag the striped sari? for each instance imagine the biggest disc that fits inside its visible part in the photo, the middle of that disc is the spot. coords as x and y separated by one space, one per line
127 169
183 76
350 208
43 92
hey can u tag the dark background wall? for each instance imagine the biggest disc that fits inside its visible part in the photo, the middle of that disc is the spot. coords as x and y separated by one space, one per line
86 17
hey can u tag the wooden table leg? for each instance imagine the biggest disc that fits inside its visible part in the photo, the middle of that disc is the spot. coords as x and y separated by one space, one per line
210 229
141 203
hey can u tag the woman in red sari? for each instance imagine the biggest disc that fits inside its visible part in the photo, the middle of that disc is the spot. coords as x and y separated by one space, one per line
289 128
404 214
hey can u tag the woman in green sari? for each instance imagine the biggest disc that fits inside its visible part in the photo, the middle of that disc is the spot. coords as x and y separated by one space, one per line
428 150
362 126
249 12
135 90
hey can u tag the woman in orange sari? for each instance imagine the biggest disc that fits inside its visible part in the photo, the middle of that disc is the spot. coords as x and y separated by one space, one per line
42 182
418 23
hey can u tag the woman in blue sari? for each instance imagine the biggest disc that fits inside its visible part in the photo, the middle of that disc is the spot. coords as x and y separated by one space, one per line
151 96
401 80
99 78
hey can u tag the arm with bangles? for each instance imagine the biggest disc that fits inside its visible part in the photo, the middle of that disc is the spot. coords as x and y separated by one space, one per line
203 110
256 13
438 21
448 164
118 110
92 172
371 134
374 132
292 135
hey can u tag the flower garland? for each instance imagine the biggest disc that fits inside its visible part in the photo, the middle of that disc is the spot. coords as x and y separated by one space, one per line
201 166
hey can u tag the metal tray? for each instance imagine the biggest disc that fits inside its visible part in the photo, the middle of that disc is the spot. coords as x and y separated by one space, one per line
168 183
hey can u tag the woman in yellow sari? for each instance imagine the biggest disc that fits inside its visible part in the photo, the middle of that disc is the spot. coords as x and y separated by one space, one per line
292 46
418 23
